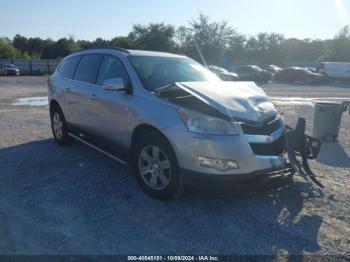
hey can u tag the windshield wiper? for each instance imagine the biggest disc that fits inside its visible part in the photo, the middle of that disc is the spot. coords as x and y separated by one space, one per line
164 87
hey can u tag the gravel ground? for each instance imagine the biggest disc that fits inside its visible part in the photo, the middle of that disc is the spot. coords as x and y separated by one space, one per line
73 200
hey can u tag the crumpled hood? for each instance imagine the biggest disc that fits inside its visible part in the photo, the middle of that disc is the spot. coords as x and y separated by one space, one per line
243 101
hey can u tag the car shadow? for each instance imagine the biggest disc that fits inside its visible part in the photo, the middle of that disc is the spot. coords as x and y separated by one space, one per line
333 154
73 200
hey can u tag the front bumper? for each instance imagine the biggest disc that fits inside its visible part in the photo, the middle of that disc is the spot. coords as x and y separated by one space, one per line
11 72
189 146
194 178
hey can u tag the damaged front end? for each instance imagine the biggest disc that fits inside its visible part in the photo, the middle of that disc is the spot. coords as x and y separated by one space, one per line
301 147
260 121
298 147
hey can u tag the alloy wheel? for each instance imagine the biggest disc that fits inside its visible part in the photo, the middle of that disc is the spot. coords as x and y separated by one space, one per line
154 167
57 125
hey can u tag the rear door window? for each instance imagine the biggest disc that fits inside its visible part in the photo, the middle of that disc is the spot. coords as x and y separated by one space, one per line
68 66
111 67
241 70
87 68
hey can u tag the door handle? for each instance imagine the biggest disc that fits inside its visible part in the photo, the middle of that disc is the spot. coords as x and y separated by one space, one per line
67 90
93 97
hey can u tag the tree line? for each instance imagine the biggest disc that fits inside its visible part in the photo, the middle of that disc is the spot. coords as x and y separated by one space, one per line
219 42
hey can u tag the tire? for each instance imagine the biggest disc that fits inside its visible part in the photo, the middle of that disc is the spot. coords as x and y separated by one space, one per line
155 167
59 126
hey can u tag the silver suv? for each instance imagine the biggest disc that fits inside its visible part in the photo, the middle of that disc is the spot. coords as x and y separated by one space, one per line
165 114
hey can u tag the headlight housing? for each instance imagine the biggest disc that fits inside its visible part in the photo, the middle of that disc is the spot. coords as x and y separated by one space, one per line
204 124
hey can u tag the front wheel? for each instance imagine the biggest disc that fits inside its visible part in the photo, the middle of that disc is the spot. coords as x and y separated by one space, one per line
155 167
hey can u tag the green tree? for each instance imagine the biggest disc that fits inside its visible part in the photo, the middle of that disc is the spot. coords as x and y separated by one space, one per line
303 51
7 50
265 48
157 37
99 42
84 44
236 48
20 42
121 41
35 46
60 48
182 36
212 38
219 43
340 48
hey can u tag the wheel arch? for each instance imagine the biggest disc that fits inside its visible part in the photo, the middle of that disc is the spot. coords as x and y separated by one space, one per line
144 129
53 104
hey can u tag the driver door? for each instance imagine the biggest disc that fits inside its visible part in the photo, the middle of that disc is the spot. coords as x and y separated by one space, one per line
111 107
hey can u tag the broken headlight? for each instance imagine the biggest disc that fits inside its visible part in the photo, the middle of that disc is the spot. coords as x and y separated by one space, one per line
205 124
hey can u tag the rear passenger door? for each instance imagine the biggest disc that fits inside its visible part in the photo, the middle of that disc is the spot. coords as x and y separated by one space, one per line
80 92
66 72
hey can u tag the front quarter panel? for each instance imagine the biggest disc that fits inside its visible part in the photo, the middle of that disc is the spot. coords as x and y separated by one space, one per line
157 113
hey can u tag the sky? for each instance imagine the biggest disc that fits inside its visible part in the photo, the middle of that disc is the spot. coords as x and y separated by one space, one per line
90 19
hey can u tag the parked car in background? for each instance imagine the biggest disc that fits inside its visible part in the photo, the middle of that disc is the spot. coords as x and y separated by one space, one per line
293 74
223 73
253 73
166 115
9 70
336 70
312 69
271 68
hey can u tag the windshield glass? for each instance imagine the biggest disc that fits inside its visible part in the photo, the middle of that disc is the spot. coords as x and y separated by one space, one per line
156 72
257 68
218 69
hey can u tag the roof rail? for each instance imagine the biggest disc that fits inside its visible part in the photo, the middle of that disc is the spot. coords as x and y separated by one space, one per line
113 48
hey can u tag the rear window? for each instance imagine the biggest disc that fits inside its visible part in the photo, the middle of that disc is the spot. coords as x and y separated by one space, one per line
87 68
68 66
243 69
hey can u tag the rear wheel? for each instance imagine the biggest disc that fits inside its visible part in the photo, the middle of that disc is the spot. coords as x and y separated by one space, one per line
59 126
155 167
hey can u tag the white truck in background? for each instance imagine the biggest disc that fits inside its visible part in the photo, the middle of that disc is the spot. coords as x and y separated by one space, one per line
337 70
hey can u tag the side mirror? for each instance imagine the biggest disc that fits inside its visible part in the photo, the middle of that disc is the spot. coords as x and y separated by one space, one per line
115 84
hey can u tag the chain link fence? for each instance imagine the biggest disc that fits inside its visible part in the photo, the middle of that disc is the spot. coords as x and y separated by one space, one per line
34 66
48 66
